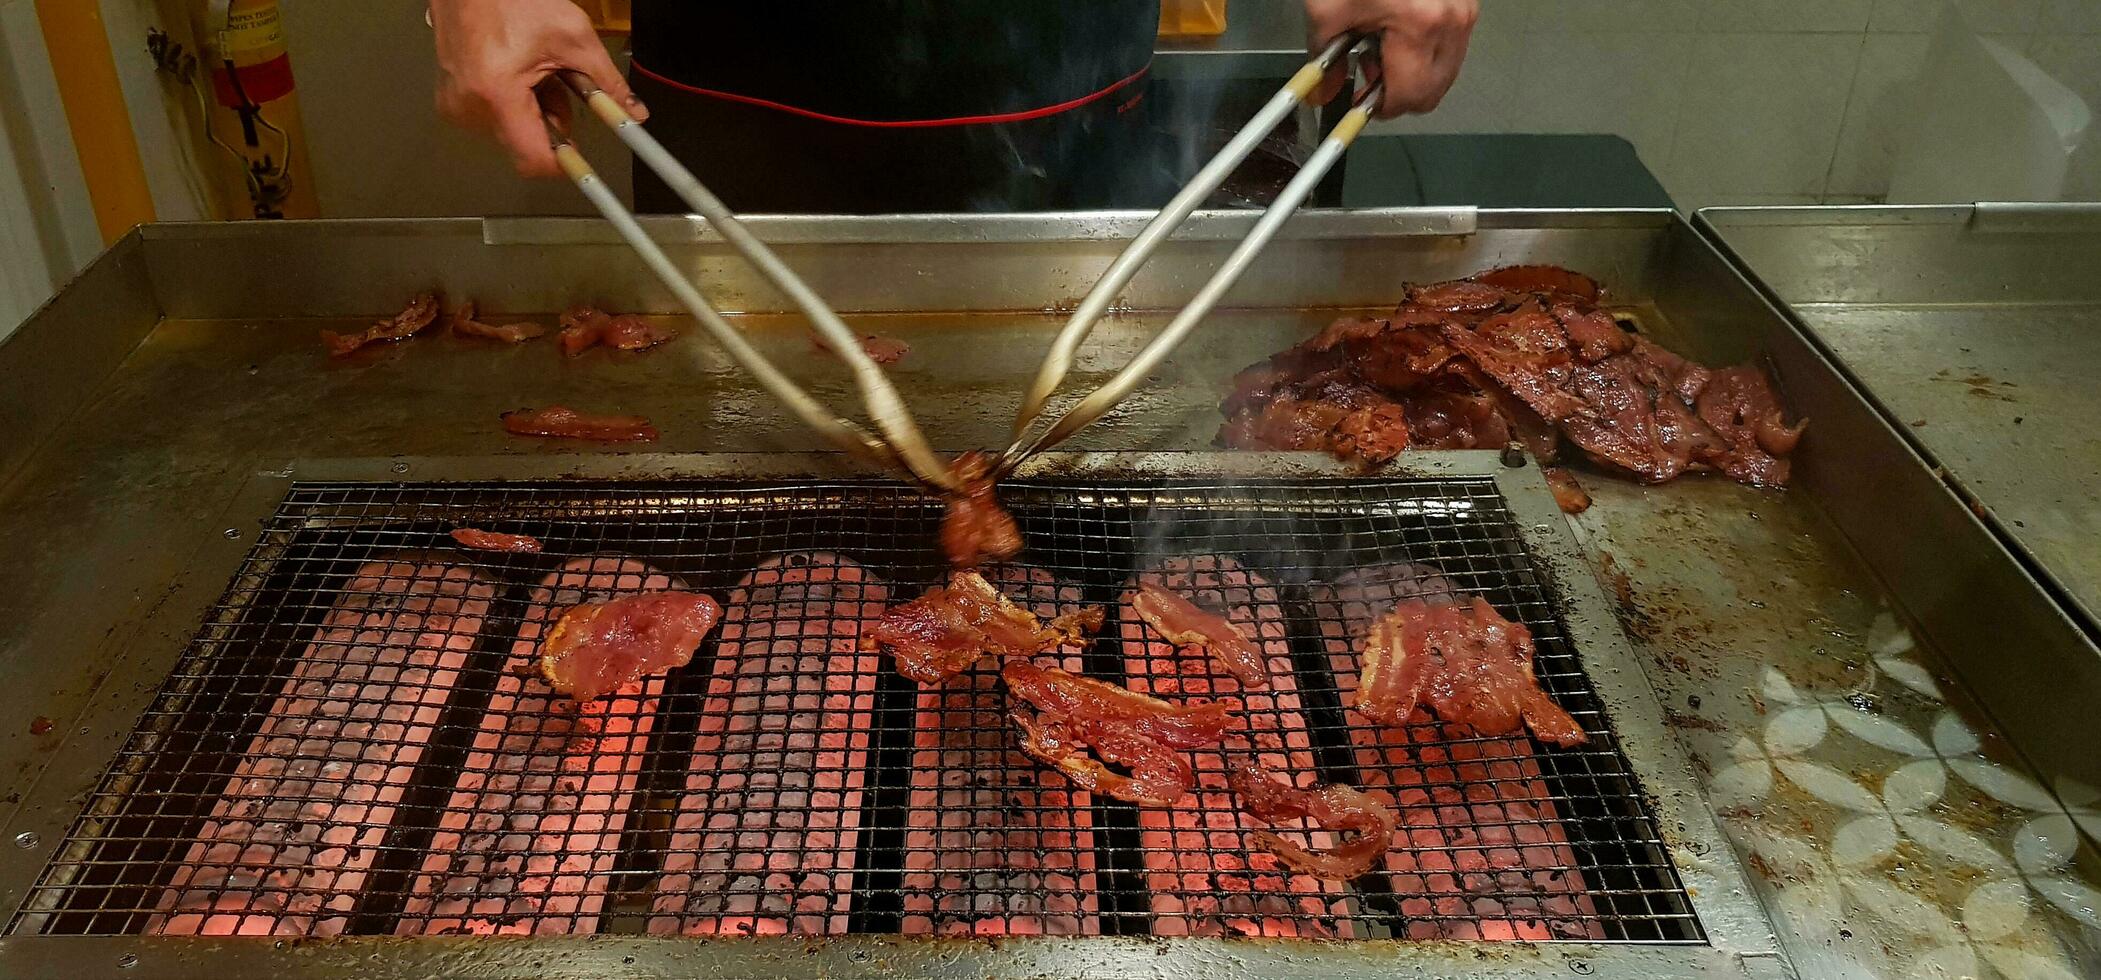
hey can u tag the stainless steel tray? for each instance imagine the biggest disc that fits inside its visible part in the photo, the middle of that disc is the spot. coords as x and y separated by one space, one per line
182 368
1977 330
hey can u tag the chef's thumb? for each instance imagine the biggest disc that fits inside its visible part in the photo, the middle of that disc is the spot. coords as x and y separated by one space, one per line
592 60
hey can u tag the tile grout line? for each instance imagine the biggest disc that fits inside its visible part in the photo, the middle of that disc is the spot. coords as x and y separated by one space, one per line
1845 110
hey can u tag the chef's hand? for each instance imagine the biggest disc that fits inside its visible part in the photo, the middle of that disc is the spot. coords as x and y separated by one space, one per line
494 55
1421 43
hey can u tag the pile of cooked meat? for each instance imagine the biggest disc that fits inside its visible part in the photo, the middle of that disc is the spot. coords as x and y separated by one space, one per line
1524 354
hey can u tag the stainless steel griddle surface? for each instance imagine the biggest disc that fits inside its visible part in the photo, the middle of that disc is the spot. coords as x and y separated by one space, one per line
304 772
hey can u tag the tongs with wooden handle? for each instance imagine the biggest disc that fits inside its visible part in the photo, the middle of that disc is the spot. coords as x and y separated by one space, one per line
1214 173
901 444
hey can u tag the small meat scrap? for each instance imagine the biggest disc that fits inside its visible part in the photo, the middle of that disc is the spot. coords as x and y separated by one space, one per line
465 324
556 421
1144 736
523 544
941 633
882 350
1467 662
1338 809
1183 622
1568 494
596 647
585 327
976 529
421 312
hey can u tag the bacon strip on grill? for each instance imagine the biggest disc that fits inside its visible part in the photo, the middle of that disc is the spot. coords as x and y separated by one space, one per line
527 841
944 631
1467 662
523 544
420 313
1184 622
1075 714
597 647
556 421
976 528
288 847
1338 809
584 327
464 324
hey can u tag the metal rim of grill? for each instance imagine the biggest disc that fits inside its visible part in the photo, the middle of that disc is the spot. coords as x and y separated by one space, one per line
1505 839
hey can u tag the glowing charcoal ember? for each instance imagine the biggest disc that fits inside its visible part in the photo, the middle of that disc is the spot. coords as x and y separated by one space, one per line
1205 874
763 841
527 840
1481 852
287 848
995 845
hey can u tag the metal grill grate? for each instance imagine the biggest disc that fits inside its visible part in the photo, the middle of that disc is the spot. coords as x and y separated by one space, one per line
349 746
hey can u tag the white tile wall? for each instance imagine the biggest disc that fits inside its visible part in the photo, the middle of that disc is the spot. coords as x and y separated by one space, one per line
1762 112
1766 101
1792 16
1984 16
1624 83
1882 86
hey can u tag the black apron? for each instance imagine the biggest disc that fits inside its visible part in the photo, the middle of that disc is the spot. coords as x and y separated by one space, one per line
890 106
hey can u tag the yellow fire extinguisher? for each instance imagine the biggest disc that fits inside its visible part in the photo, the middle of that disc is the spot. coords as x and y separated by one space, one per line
252 108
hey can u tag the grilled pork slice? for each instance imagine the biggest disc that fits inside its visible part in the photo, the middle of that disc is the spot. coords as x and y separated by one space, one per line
464 324
287 848
993 844
1482 853
584 327
1089 728
976 528
597 647
1205 872
763 841
1466 662
1179 620
949 627
526 842
1331 807
479 540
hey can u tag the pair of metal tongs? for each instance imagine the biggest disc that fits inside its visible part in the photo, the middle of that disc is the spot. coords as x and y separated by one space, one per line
900 442
1067 345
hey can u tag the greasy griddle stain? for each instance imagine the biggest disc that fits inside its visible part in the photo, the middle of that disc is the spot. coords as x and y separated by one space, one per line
1679 719
1980 386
